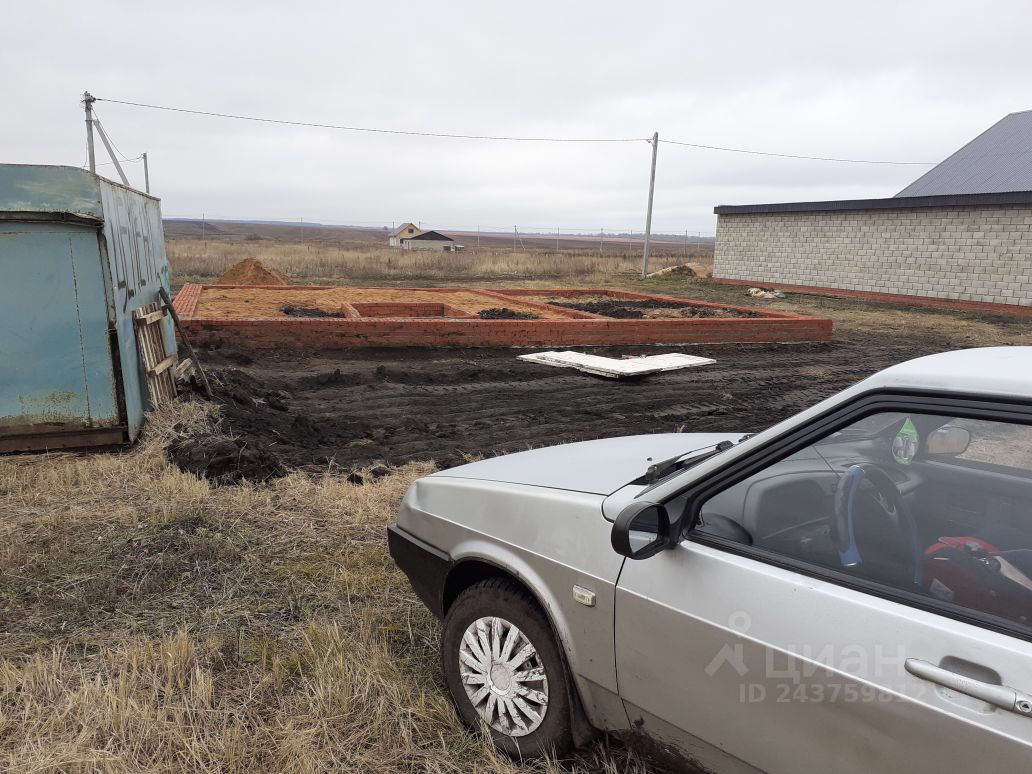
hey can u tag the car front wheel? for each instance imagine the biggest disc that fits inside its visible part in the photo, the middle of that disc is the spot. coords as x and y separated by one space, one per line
504 670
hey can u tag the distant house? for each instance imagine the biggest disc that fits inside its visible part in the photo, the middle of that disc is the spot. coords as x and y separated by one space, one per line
430 240
403 231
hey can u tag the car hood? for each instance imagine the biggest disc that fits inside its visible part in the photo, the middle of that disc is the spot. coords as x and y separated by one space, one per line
596 467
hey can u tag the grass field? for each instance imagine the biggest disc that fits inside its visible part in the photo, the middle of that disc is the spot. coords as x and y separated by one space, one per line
332 261
153 622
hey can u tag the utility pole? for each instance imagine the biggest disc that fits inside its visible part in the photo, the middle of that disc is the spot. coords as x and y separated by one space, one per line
111 151
686 244
601 239
557 239
146 174
648 215
478 236
514 235
87 102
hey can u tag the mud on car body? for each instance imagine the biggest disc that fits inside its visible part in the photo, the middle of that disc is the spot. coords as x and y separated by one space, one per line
855 582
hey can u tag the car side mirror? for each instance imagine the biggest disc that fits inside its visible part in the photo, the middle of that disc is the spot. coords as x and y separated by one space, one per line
641 530
949 440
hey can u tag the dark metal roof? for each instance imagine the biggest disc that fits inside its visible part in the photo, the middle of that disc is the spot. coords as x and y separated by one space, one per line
998 160
895 203
435 236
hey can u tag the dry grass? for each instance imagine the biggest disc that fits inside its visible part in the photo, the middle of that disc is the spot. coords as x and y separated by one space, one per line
193 260
154 622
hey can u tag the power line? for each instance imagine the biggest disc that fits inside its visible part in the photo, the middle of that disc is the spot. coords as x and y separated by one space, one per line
111 139
111 163
793 156
371 130
412 133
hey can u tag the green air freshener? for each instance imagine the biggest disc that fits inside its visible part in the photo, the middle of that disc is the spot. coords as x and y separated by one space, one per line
904 445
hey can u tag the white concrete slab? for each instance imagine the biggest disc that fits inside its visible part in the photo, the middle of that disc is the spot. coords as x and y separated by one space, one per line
614 367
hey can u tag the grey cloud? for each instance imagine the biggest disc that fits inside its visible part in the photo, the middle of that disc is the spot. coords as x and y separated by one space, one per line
896 80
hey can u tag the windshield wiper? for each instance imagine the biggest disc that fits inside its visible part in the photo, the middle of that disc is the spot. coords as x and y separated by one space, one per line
659 470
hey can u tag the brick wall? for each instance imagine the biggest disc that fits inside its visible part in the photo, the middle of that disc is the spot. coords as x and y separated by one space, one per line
585 329
967 253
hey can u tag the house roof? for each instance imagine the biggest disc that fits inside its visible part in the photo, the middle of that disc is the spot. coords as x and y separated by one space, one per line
402 227
435 236
997 161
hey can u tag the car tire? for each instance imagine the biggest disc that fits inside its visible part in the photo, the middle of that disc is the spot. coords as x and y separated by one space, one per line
502 600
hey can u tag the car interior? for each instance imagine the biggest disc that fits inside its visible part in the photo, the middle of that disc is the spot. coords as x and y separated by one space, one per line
932 504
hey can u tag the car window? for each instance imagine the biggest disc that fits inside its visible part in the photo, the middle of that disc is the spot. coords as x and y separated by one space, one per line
997 443
932 504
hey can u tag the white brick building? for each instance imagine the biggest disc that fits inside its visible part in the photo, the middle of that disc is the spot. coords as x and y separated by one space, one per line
962 231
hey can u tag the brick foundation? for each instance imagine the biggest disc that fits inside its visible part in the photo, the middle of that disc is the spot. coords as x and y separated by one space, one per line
577 329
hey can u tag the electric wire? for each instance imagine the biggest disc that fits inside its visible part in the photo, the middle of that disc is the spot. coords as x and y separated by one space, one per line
372 130
501 138
111 139
793 156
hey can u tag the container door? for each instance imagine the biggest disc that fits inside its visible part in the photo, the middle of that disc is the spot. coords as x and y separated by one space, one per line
56 372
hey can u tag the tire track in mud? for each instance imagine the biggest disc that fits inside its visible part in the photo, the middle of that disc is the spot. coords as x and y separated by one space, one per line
394 407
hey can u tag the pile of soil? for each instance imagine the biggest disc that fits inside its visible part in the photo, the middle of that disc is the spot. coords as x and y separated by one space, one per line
225 461
303 311
683 270
505 313
251 271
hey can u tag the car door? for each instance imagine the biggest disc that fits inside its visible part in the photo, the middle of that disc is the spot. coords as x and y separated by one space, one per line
758 649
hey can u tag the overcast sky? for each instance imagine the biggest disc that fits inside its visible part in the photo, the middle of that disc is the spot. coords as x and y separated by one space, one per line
907 81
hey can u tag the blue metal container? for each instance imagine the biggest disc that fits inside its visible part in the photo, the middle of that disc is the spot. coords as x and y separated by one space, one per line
78 254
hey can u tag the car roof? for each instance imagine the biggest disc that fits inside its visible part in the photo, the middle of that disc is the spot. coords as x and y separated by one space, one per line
993 371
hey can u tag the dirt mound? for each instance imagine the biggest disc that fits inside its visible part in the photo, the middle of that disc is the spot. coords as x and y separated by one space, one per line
251 271
683 270
225 461
505 313
303 311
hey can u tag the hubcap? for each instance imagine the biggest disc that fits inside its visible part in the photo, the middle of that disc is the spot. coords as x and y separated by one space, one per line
503 676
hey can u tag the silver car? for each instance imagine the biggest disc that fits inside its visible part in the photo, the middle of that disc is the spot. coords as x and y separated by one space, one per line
849 590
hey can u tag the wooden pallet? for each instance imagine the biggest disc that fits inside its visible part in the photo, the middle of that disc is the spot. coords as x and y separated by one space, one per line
159 365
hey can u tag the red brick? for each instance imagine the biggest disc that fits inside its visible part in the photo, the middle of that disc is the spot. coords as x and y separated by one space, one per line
579 328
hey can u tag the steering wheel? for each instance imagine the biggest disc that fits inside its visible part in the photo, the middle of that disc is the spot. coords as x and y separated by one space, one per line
866 500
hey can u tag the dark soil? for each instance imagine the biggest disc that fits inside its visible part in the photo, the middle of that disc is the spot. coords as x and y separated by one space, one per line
225 461
505 313
394 406
304 311
622 309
